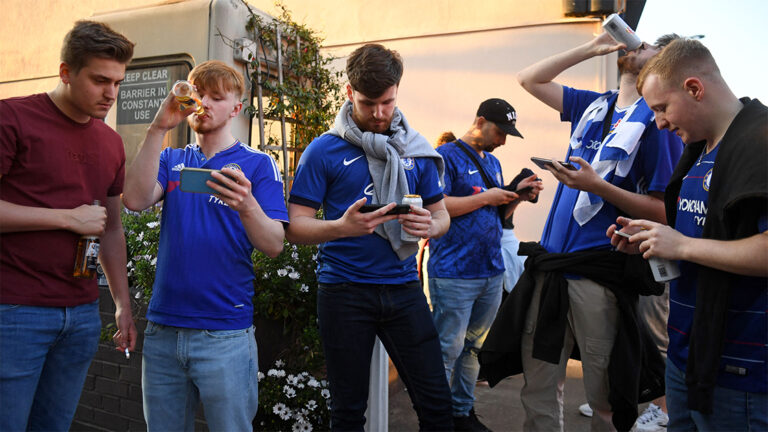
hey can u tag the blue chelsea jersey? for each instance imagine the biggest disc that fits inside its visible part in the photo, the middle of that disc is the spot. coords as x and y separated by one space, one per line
744 361
204 277
657 156
333 173
471 249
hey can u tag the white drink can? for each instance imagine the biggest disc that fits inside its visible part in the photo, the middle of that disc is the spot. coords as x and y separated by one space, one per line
414 200
663 269
621 32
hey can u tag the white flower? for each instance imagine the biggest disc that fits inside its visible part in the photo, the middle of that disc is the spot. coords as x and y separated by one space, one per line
300 385
286 415
304 288
129 265
289 391
295 255
292 380
313 383
154 261
279 409
138 295
276 373
260 375
140 237
279 363
314 257
294 275
282 272
152 224
325 393
311 405
302 426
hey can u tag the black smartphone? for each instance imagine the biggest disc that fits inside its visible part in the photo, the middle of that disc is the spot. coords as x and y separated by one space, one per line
398 209
193 180
544 163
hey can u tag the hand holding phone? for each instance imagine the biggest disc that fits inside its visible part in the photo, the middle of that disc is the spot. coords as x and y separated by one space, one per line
544 163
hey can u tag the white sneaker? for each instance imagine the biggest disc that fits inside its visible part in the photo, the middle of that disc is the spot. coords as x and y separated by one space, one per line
585 410
653 419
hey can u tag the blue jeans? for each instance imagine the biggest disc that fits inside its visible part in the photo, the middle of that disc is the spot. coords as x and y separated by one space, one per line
463 310
45 353
732 410
350 317
182 367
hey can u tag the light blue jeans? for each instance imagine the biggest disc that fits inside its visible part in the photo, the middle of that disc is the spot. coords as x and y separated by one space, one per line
183 367
463 311
732 410
45 353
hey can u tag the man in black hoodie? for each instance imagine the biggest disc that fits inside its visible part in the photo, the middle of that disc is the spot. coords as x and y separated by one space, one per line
717 210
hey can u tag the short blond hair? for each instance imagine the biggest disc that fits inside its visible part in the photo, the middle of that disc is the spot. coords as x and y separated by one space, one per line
216 75
681 59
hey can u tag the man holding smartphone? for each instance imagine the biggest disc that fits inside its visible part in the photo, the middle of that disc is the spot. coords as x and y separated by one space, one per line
199 344
717 210
368 283
466 266
624 165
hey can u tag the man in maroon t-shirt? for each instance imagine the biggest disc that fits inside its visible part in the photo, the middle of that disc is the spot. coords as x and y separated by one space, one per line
57 157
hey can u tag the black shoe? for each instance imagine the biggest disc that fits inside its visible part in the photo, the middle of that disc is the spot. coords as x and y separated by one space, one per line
469 423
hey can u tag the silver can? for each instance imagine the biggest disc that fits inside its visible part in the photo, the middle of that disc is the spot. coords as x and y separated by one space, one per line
414 200
621 32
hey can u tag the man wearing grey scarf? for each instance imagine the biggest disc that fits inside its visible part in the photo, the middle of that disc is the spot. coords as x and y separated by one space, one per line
368 282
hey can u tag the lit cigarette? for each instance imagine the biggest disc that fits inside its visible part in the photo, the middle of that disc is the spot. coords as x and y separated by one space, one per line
127 354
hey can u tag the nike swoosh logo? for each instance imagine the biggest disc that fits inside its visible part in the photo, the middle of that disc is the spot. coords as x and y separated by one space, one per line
472 172
347 162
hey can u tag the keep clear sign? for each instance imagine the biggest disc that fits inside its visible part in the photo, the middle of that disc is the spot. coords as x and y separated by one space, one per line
141 94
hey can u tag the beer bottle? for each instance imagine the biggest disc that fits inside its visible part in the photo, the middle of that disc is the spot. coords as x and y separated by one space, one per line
87 256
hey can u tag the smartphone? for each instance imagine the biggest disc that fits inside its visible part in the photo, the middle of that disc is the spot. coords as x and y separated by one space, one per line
623 234
398 209
193 180
544 163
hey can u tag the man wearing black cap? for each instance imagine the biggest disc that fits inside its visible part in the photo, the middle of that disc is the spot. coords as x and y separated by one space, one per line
466 266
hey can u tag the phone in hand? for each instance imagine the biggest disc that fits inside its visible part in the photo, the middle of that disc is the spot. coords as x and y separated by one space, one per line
398 209
544 163
623 234
193 180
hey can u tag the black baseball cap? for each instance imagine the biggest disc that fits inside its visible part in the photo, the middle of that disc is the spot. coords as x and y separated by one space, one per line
501 113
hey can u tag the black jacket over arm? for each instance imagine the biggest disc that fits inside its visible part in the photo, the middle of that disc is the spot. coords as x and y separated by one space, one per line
738 196
634 353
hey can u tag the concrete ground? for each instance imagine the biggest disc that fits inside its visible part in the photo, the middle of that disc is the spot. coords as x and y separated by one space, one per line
499 408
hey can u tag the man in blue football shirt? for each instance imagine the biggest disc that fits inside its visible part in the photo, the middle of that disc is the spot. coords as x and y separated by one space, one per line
368 283
199 344
717 202
466 267
624 164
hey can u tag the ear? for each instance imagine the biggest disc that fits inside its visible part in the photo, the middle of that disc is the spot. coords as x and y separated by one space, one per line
236 110
64 72
694 87
480 121
350 92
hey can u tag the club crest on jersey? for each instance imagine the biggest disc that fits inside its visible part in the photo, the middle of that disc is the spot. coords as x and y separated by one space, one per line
707 179
234 166
408 163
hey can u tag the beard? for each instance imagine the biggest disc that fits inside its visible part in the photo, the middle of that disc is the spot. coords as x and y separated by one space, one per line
203 127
